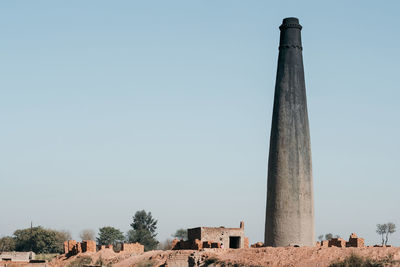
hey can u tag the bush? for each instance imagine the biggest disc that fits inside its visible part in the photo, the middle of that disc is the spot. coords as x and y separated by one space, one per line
46 257
358 261
145 263
80 261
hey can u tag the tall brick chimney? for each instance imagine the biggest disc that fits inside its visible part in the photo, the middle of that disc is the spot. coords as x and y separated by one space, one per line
290 204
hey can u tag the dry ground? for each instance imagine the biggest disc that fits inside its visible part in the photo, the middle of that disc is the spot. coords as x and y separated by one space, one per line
268 256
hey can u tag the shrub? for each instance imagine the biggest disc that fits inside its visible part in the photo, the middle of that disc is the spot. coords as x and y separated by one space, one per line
358 261
80 261
145 263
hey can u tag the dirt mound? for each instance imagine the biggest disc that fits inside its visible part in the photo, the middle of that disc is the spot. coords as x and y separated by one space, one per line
267 256
102 257
303 256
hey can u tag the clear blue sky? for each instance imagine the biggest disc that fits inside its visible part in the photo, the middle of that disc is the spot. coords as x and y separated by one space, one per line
109 107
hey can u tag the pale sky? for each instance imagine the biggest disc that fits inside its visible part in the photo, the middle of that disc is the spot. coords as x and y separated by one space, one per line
109 107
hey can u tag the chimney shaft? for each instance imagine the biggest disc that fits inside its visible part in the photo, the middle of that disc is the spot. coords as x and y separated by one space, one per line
290 204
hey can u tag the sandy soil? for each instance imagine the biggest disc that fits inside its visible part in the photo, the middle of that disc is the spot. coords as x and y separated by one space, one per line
284 256
305 256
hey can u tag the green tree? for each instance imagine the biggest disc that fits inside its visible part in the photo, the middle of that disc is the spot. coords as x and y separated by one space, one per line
40 240
144 230
109 235
7 243
180 234
328 236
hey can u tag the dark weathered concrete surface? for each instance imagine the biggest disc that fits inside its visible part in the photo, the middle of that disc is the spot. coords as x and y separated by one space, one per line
290 204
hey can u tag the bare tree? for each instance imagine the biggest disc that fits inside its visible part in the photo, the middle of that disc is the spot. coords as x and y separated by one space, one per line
381 229
320 237
391 228
87 234
166 245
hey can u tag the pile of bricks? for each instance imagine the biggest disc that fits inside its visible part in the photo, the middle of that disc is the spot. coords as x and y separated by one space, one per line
354 241
209 244
188 244
257 245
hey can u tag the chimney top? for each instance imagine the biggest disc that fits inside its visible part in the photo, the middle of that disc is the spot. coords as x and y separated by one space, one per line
290 23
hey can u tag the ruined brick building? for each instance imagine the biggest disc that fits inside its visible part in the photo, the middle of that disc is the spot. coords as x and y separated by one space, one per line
228 237
71 247
213 237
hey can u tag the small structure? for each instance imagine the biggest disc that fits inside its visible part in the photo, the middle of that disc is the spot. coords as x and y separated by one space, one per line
213 237
354 241
13 256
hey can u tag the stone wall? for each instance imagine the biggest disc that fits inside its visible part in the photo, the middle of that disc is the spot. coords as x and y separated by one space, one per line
14 256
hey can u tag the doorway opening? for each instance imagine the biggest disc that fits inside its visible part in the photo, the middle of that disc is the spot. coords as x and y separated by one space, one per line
234 242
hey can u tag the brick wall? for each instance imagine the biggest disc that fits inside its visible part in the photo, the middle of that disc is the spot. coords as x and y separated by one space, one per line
136 248
194 233
88 246
246 242
207 237
355 241
188 244
71 247
221 235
